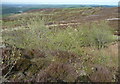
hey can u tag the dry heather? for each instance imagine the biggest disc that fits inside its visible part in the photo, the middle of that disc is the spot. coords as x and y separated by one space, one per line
86 52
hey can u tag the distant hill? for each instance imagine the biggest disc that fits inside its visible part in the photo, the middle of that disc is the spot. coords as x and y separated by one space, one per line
18 8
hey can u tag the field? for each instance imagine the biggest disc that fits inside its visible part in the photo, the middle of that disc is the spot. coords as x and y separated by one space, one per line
61 45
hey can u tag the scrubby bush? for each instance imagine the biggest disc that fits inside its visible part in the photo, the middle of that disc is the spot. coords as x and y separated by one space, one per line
69 39
29 38
63 48
101 34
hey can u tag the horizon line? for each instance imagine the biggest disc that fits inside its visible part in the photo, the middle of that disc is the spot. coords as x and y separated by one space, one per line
61 4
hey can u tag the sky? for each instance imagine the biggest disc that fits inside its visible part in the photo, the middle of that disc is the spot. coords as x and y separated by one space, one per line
100 2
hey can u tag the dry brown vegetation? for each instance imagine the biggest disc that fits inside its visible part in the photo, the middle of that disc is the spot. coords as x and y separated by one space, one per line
61 45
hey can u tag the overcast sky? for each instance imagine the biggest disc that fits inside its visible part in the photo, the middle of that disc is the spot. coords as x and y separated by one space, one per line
102 2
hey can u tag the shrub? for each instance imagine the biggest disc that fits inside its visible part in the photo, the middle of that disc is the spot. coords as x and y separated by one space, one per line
30 38
101 34
69 39
95 34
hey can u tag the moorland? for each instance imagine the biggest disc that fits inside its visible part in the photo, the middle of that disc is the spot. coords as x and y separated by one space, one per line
61 45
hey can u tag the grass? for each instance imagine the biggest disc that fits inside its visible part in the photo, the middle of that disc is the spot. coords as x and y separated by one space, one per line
69 53
54 15
69 39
